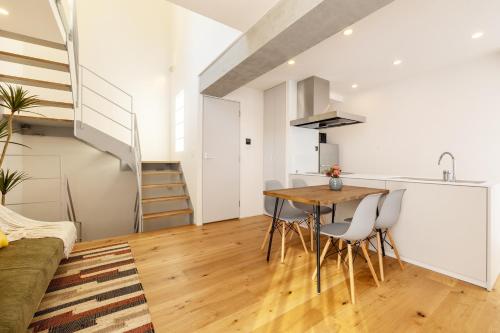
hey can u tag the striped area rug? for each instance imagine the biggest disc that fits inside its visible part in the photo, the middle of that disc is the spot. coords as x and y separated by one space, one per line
95 290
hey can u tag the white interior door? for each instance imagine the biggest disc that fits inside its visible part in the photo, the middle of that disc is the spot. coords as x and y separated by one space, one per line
221 159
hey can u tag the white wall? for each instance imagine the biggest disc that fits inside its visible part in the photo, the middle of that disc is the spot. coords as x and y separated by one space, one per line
411 122
251 156
197 41
103 194
127 42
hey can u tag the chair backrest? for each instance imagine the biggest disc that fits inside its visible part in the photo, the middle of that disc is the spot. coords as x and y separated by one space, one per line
300 183
285 208
363 220
389 212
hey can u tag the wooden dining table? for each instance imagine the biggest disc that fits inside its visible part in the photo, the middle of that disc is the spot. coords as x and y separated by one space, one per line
316 196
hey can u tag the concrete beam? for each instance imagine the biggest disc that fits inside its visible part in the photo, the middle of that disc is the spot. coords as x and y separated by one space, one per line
288 29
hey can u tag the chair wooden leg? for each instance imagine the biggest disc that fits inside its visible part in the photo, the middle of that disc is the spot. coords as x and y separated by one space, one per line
291 235
323 255
380 258
301 237
395 249
311 232
339 256
351 272
369 262
266 237
283 238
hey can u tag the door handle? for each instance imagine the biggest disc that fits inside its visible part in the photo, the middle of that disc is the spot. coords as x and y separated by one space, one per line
206 156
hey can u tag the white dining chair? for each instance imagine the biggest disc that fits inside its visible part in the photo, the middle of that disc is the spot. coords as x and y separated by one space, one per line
288 220
388 216
354 234
309 210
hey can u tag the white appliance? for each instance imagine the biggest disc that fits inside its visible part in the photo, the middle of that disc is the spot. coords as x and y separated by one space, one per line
328 156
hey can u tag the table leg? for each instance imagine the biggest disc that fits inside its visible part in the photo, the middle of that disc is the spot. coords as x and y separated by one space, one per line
271 233
318 244
333 213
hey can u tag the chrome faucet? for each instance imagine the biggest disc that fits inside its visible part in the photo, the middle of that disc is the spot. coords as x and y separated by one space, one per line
446 173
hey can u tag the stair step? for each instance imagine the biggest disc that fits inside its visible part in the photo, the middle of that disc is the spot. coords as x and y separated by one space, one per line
165 198
32 40
160 172
43 121
161 162
31 61
63 105
168 213
34 83
166 185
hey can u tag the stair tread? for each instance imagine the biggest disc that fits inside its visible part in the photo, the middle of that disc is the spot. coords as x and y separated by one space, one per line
165 198
34 82
168 213
163 185
160 172
43 121
55 104
31 61
32 40
161 162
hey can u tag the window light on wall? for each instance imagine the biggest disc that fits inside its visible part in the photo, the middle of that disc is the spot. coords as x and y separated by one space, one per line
179 121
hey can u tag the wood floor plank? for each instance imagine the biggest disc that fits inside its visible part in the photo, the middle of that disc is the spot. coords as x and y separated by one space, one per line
215 279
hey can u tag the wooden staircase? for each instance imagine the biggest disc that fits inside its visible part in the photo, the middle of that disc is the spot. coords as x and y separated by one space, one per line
165 200
56 112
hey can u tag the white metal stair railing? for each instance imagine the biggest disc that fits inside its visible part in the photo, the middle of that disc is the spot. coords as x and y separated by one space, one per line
104 115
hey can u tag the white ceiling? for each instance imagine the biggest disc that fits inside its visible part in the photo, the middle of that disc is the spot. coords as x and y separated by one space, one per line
238 14
424 34
30 17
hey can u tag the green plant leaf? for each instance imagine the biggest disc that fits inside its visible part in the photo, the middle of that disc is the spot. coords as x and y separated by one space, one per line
10 179
17 99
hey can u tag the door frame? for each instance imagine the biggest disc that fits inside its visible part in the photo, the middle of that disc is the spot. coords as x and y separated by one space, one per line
203 150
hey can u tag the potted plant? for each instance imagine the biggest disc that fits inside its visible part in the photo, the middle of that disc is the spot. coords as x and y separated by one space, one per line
14 99
335 180
9 180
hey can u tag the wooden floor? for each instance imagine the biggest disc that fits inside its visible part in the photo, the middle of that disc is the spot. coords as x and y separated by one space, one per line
215 279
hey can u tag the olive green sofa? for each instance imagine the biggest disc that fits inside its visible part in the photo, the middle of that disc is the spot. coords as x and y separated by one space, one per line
26 268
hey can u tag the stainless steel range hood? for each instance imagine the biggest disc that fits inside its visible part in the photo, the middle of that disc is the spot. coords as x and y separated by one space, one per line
314 108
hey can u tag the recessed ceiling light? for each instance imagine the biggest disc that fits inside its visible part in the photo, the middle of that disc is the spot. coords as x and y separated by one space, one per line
397 62
4 11
477 35
291 62
348 32
354 86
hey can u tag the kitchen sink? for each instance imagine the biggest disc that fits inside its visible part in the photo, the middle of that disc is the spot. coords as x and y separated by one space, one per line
459 181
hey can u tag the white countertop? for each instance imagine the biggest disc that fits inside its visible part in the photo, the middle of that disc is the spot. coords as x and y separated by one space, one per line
402 179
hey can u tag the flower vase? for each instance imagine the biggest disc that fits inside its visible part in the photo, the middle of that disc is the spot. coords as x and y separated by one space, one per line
335 184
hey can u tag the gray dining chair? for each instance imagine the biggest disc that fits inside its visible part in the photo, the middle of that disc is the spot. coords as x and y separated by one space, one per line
388 216
354 234
289 218
309 210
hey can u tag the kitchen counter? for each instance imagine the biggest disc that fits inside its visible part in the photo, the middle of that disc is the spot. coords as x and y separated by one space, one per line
405 179
452 228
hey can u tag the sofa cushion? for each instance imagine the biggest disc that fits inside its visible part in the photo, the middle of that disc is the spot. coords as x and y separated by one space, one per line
26 268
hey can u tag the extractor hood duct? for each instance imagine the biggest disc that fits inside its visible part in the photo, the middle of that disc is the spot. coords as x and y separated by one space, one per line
314 108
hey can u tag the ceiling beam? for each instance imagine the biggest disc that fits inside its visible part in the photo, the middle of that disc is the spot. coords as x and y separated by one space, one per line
288 29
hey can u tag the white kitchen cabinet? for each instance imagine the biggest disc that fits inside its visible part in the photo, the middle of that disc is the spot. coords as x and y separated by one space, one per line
444 228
